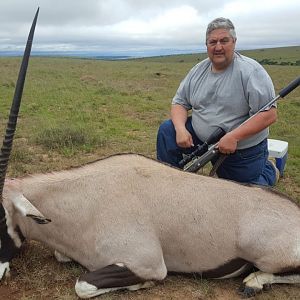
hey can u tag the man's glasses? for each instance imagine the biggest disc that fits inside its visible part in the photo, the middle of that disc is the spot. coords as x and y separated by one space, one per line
224 41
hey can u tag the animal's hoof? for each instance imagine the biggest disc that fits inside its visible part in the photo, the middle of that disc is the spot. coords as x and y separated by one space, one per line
247 292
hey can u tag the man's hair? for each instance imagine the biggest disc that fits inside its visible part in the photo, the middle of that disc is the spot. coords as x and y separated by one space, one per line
221 23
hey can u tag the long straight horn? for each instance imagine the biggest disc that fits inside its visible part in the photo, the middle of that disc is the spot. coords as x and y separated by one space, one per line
14 110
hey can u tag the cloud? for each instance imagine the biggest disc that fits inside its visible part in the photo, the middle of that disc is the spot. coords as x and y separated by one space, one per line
138 24
172 26
265 23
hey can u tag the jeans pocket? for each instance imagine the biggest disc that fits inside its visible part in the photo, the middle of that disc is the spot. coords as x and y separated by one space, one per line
257 152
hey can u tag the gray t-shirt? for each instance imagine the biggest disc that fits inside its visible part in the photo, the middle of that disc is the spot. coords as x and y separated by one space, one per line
225 99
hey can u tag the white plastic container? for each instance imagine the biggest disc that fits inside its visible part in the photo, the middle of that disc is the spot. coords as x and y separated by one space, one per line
279 150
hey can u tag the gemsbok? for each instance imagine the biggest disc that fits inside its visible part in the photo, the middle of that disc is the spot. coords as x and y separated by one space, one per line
129 220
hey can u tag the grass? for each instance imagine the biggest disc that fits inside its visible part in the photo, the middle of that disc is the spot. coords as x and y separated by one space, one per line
68 140
76 110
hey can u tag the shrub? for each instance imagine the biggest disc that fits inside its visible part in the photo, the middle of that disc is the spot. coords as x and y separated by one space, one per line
65 137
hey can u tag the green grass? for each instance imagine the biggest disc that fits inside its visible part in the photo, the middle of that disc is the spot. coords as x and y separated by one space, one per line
77 110
279 55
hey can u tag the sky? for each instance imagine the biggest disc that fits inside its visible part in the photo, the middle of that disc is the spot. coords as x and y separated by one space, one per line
140 26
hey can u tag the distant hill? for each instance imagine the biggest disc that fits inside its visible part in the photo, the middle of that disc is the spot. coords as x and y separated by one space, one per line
276 56
269 56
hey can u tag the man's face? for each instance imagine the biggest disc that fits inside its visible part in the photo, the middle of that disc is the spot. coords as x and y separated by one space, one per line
220 48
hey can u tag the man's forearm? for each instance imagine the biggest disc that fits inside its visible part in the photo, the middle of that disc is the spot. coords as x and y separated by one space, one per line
228 142
179 116
255 125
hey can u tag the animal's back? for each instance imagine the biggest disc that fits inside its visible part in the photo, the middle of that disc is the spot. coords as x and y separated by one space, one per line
129 195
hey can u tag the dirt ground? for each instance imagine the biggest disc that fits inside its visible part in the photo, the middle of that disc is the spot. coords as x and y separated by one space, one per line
36 275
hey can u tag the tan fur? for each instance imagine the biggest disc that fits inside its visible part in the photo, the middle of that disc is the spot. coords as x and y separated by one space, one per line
133 210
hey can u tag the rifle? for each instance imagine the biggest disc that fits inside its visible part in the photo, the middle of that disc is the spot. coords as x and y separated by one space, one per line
203 148
212 151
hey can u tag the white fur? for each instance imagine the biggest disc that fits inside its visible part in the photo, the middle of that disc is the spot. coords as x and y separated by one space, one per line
61 257
4 269
258 279
24 207
85 290
10 230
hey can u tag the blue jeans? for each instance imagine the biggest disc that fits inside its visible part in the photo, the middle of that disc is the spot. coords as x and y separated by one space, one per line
249 165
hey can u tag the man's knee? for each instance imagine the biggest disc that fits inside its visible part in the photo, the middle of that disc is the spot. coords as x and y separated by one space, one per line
167 149
166 127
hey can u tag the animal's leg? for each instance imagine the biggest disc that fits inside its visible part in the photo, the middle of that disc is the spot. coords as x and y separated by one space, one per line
129 256
110 278
4 270
257 280
61 257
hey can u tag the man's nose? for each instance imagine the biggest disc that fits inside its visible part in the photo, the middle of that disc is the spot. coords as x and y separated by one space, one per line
218 45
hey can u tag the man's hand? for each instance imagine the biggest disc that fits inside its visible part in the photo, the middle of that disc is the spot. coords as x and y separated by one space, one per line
179 117
227 144
184 138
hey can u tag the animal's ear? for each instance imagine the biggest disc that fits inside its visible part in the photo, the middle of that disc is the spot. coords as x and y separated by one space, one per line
26 209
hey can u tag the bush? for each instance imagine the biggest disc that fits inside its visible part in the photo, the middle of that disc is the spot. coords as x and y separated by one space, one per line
267 61
65 137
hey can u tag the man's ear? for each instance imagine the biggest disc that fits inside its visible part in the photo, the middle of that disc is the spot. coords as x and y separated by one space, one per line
26 209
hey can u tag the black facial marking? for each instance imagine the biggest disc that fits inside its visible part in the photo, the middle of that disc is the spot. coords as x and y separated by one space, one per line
2 215
111 276
8 249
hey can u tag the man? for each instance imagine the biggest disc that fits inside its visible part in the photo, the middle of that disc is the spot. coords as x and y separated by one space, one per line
223 91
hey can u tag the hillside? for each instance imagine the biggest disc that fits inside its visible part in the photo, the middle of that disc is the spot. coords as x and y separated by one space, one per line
279 55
